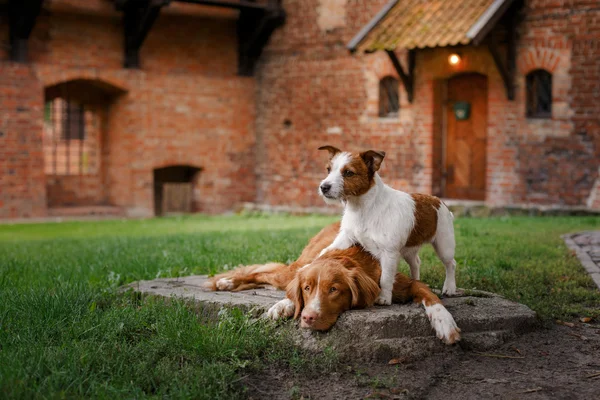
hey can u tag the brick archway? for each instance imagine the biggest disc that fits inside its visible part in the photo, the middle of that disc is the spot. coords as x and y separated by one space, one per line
75 160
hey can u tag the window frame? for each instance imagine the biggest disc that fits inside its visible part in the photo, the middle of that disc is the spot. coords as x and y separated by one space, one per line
534 90
389 86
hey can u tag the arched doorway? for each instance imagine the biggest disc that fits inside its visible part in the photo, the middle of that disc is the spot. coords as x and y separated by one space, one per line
75 115
173 189
464 135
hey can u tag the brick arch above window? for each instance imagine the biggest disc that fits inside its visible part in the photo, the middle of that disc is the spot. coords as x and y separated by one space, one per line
90 91
540 58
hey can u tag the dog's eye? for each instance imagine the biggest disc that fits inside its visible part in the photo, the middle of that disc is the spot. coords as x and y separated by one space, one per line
333 289
348 173
328 170
307 288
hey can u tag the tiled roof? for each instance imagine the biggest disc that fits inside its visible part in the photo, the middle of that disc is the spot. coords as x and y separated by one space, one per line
414 24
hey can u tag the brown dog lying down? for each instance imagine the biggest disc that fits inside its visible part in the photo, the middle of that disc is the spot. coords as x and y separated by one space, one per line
319 290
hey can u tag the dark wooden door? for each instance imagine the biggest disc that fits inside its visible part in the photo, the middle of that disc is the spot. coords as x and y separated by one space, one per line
465 161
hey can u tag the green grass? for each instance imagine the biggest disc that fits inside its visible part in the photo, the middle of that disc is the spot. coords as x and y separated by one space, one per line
65 332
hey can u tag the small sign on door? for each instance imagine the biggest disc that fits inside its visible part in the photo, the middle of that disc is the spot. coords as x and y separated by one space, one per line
462 110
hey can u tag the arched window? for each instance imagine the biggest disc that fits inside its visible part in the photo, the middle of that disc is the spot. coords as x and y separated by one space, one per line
72 125
539 94
389 100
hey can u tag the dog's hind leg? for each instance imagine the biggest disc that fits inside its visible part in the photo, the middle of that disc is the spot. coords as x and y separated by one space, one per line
252 276
411 256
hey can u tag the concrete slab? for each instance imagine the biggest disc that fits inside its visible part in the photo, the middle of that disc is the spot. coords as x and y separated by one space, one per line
378 333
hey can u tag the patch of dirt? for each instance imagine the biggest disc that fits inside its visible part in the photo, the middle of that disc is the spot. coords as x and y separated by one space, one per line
558 363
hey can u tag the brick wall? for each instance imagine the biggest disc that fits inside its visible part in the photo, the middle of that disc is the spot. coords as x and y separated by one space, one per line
312 92
256 139
185 106
22 181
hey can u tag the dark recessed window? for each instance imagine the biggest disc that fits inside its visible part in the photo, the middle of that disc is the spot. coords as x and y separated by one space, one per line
389 100
539 94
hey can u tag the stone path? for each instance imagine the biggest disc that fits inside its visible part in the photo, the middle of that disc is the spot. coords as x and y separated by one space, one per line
586 246
378 333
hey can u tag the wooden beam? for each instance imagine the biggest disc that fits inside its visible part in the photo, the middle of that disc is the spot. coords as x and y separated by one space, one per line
138 19
254 29
240 5
407 78
508 67
22 15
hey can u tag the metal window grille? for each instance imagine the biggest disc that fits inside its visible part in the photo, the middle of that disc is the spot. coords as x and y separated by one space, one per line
389 100
539 94
66 149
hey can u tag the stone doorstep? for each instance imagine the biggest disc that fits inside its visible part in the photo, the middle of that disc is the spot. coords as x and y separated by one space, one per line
378 333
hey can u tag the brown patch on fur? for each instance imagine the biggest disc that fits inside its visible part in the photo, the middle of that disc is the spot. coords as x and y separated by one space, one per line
362 180
426 218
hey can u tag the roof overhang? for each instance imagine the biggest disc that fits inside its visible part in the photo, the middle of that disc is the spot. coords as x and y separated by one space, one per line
419 24
470 21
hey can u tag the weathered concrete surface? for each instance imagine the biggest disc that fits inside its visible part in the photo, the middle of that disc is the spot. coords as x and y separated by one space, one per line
586 246
381 333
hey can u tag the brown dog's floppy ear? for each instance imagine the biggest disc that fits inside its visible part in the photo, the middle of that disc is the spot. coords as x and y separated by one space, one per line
332 150
364 289
373 159
294 293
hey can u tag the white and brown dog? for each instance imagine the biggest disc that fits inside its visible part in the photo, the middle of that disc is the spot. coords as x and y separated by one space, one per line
388 223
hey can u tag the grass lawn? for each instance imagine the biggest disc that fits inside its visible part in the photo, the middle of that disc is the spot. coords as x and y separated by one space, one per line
65 332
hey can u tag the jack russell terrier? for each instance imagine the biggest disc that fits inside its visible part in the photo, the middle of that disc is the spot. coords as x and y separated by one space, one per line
388 223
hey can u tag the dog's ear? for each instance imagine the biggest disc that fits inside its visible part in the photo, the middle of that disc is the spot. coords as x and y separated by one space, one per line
364 289
373 159
332 150
294 293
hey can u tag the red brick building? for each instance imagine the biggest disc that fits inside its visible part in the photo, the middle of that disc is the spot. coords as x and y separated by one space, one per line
139 105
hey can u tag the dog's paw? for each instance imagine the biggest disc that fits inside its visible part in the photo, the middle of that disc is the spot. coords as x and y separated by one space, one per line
451 290
225 284
282 309
443 323
384 299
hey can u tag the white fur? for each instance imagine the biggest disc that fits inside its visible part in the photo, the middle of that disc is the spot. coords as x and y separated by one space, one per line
381 220
224 284
335 178
315 303
442 322
282 309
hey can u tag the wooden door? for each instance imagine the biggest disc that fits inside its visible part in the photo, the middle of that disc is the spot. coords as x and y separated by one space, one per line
177 198
465 158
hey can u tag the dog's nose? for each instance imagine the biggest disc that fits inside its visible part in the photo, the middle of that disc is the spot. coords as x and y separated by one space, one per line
309 317
325 188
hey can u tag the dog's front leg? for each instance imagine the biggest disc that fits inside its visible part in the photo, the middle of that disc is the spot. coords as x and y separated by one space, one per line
342 241
282 309
389 267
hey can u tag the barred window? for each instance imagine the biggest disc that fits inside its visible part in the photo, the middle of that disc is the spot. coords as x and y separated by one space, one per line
539 94
389 100
70 138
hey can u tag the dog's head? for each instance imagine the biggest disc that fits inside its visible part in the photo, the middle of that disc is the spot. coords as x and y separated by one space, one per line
349 174
326 288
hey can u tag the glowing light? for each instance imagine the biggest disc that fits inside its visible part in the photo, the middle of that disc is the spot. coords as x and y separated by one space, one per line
454 59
